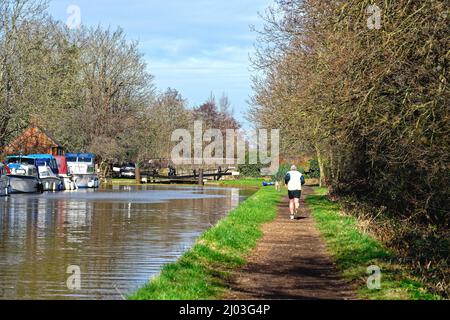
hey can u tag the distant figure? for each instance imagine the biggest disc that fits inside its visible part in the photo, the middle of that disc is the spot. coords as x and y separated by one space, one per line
294 181
219 174
277 186
172 172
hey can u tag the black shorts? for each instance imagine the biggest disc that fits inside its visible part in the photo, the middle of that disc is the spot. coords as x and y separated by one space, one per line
295 194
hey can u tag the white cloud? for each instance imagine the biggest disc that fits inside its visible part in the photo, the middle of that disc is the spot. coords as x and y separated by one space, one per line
170 45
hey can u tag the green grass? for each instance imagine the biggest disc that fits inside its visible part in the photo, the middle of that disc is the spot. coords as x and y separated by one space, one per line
355 251
202 272
246 182
125 182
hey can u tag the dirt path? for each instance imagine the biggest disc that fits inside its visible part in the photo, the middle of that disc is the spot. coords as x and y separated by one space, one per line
290 262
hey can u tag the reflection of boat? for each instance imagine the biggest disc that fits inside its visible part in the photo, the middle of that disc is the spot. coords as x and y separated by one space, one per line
82 168
64 174
23 176
48 172
4 181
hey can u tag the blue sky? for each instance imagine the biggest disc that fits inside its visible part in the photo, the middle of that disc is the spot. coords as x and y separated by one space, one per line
194 46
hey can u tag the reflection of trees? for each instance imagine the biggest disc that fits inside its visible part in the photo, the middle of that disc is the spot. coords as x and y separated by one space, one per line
110 241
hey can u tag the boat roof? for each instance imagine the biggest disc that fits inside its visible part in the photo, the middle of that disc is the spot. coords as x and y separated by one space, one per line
80 155
21 157
41 156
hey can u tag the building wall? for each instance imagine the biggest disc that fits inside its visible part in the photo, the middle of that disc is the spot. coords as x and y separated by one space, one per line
33 140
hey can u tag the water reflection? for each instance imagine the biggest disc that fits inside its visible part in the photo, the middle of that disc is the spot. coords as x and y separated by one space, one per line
119 237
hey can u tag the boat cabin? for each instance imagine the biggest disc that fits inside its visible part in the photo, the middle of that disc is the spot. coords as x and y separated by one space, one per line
63 168
81 163
45 160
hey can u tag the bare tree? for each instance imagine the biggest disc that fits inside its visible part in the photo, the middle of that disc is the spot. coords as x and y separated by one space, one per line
18 18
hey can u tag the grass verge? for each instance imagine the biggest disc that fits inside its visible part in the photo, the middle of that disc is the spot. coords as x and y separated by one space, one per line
253 182
355 251
201 273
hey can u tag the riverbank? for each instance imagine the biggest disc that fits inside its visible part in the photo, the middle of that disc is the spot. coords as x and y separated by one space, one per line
203 272
355 251
242 183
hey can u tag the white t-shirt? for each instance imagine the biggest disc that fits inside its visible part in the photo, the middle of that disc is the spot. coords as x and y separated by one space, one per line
295 180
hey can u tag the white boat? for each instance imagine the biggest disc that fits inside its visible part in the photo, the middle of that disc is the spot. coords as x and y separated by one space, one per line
82 169
48 172
64 174
4 181
23 176
50 182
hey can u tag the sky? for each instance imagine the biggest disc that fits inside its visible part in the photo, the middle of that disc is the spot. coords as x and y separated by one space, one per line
194 46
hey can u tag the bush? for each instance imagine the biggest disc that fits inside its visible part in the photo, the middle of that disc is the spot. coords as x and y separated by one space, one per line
282 171
250 170
314 170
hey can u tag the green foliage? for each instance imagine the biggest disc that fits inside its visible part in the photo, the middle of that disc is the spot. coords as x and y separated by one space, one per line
250 170
312 173
282 171
314 170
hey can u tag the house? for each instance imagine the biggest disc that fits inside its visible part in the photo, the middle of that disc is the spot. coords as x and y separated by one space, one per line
34 140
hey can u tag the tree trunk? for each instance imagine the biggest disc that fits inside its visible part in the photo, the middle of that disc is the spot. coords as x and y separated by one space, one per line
200 178
332 174
322 179
138 172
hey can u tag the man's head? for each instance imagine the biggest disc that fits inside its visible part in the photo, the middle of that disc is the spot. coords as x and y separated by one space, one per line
294 168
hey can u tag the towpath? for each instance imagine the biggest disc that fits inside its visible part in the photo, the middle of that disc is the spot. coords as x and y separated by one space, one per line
290 262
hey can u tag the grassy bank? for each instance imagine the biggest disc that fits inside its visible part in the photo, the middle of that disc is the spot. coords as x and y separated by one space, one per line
125 182
253 182
201 273
355 251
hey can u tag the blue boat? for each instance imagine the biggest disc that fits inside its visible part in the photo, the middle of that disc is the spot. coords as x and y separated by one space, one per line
48 172
82 168
23 176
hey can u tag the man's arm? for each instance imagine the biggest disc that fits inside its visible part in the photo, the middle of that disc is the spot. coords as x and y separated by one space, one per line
287 178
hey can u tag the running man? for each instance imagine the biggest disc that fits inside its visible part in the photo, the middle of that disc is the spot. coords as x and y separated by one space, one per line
294 181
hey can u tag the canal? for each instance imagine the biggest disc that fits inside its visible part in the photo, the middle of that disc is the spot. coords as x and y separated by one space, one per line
114 239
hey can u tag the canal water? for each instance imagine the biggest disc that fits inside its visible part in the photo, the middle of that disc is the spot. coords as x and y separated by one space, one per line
115 240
